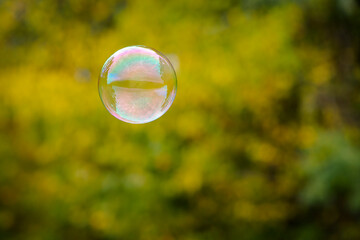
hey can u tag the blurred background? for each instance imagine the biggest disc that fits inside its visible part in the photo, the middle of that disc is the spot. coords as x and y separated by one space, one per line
262 141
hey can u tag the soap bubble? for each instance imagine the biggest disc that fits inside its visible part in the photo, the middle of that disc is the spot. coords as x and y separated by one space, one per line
137 84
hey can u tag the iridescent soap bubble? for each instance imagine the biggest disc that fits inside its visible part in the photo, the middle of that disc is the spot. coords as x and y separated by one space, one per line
137 84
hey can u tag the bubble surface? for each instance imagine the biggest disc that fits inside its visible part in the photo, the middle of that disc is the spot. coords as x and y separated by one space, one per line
137 84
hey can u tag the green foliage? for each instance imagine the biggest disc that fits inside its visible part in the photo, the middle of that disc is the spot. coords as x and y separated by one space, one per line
261 141
332 171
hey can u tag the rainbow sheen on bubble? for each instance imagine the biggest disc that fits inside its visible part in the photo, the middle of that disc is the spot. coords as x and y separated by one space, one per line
137 84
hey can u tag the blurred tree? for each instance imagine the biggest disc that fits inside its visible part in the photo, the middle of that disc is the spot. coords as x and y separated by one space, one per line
261 142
